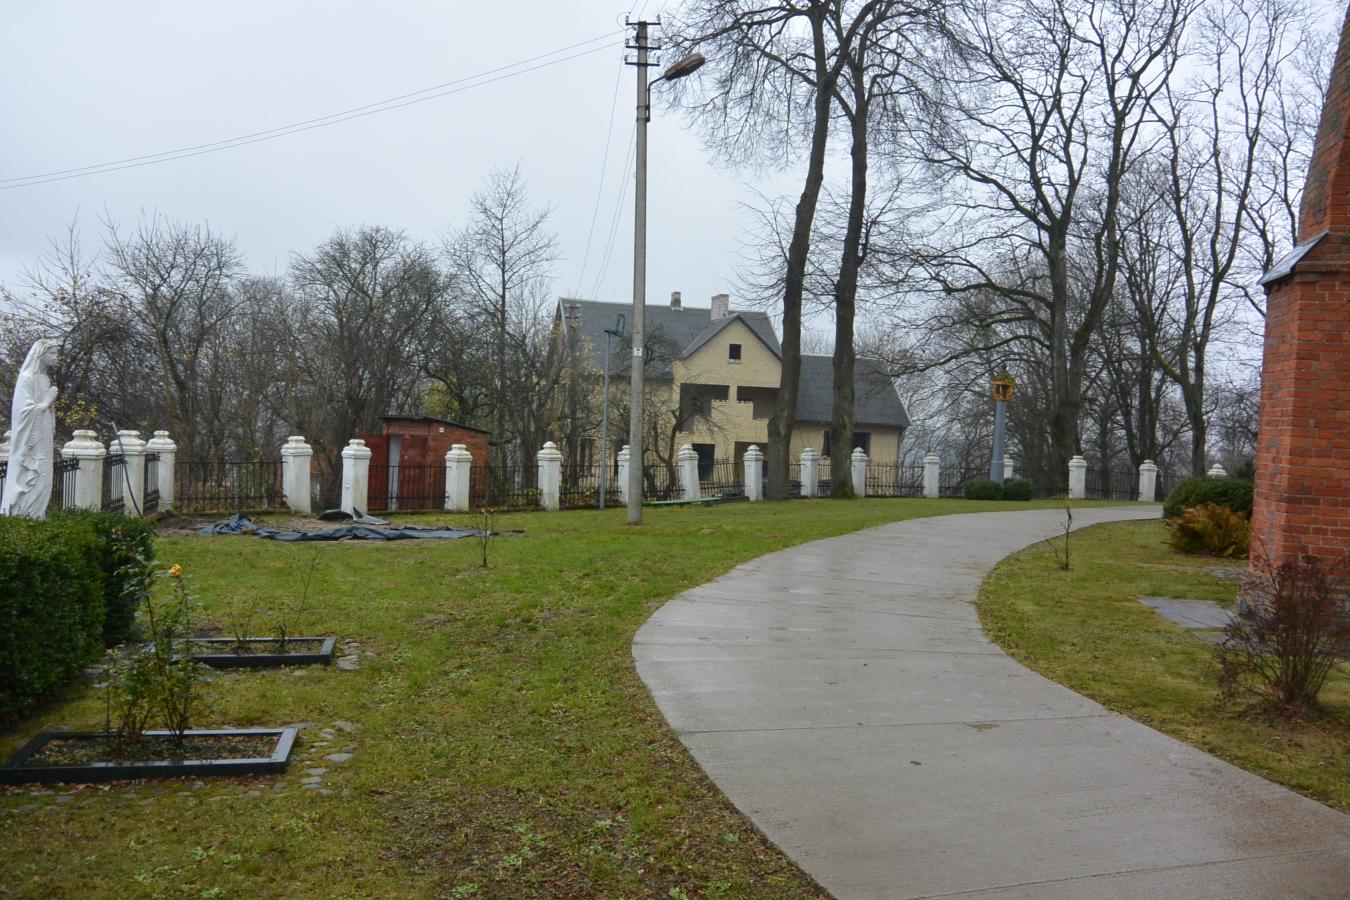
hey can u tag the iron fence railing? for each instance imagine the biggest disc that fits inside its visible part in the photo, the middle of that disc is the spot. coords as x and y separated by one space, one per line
114 483
580 487
151 501
661 481
4 473
404 488
894 480
952 480
63 485
1112 484
504 487
227 484
721 478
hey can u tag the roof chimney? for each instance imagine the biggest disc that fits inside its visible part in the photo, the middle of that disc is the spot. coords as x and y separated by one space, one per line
675 300
721 305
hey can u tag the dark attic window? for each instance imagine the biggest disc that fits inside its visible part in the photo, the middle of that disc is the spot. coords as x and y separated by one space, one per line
734 352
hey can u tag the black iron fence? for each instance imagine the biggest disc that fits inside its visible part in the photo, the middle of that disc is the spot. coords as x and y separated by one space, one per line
114 483
721 478
504 487
223 484
63 485
151 502
1111 484
580 487
402 488
952 480
892 480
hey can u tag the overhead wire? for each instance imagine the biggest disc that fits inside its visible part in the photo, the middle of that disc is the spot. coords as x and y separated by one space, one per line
400 101
600 186
618 211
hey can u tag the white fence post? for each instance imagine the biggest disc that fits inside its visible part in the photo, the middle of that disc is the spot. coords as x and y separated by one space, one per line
859 460
162 444
623 456
753 462
932 476
85 447
688 462
550 476
296 456
810 472
355 477
1148 481
458 465
1217 471
130 445
1077 478
1008 471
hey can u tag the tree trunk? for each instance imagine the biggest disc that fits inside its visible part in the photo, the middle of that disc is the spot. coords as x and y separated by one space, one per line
784 417
846 294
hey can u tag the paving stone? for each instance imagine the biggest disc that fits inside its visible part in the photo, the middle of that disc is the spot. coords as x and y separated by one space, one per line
344 725
1189 613
339 757
348 665
328 734
318 771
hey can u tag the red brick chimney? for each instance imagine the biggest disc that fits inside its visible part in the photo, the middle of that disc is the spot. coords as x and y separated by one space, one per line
1303 445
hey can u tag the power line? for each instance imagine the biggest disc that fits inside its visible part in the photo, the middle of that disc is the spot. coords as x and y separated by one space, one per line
465 83
618 211
600 186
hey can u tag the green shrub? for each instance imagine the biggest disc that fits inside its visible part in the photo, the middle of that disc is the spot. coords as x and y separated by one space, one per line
1016 489
1209 528
127 562
983 490
51 608
1232 493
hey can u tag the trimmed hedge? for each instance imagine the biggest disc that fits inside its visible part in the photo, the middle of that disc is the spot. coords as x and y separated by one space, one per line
983 490
51 608
1231 493
127 562
1016 489
68 586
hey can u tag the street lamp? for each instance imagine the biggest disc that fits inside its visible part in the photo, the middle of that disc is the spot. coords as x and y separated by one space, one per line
680 69
615 332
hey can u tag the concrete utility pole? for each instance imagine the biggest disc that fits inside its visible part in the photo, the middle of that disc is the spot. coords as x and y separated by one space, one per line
639 281
1003 385
680 69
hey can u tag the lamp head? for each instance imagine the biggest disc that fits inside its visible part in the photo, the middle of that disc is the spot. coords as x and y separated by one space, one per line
687 66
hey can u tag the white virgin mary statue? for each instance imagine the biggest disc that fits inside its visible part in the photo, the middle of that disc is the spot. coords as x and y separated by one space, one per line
28 483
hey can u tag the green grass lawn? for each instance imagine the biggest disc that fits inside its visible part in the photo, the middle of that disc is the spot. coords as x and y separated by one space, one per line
1086 629
504 745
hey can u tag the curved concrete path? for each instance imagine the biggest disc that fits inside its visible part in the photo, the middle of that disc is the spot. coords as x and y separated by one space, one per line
843 696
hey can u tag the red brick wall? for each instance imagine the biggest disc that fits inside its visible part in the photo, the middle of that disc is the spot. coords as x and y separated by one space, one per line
1302 501
441 437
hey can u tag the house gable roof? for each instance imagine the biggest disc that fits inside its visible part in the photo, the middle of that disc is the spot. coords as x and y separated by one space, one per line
875 399
716 326
680 329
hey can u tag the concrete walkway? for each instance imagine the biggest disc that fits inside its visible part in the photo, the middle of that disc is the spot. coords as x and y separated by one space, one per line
843 696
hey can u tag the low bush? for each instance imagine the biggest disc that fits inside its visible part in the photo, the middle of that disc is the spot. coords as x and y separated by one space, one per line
1291 628
1232 493
1016 489
983 490
1211 529
51 607
126 560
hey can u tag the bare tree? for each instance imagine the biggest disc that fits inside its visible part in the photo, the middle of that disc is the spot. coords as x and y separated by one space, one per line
173 280
501 262
1030 142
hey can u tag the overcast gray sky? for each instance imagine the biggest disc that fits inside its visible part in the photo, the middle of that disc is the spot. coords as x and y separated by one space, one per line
91 82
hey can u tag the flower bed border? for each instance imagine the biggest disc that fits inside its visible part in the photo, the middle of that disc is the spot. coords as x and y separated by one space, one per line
321 657
14 772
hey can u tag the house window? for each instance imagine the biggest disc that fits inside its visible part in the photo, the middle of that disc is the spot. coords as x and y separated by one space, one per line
861 439
734 352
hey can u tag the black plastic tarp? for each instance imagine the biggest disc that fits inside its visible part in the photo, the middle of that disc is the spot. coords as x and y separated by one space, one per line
242 524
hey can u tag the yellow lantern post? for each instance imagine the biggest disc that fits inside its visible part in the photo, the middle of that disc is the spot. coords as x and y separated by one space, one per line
1003 385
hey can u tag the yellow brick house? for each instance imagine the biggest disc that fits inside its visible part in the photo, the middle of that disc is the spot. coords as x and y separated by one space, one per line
713 376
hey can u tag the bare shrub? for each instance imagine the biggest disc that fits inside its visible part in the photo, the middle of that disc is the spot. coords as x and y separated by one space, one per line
1292 627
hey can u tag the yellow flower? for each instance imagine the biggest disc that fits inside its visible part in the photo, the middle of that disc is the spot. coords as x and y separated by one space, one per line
176 572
